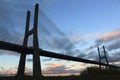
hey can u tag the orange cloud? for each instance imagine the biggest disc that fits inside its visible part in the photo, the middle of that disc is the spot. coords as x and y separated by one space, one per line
54 66
13 71
110 35
8 72
83 64
60 69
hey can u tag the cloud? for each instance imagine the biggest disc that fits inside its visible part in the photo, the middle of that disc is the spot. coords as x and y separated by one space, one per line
49 69
116 63
114 45
92 52
47 59
92 55
28 71
83 64
54 68
112 39
109 36
5 52
79 54
111 56
76 38
115 57
10 71
13 71
58 69
79 66
29 60
93 35
51 38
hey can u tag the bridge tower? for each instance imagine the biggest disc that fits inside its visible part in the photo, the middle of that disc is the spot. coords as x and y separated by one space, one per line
36 58
103 57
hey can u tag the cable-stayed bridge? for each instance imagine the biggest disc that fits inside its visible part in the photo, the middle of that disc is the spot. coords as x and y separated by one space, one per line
29 50
35 50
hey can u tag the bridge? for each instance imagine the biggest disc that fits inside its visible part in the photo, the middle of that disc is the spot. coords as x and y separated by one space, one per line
29 50
23 50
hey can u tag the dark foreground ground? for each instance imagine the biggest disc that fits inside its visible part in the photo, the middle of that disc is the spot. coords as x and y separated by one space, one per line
103 77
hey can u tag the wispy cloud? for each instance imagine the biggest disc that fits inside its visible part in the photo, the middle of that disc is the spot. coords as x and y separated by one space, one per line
13 71
58 69
109 36
114 45
47 59
10 71
111 41
115 57
93 35
29 60
76 38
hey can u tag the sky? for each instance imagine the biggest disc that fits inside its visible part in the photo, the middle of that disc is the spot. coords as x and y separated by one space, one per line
70 27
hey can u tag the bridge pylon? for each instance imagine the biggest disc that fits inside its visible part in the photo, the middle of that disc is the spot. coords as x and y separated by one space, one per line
36 53
103 57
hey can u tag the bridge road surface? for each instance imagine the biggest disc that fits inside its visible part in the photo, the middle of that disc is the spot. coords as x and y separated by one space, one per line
29 50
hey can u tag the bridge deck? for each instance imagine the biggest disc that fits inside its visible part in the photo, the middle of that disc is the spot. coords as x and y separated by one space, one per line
29 50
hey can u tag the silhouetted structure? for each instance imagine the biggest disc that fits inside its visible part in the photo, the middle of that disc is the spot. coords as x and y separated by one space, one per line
103 57
36 52
36 58
29 50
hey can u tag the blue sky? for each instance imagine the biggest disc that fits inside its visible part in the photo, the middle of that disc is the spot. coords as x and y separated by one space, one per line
82 25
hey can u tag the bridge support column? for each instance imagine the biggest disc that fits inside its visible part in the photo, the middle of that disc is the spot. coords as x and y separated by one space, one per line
103 57
36 58
36 53
99 57
107 66
21 66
